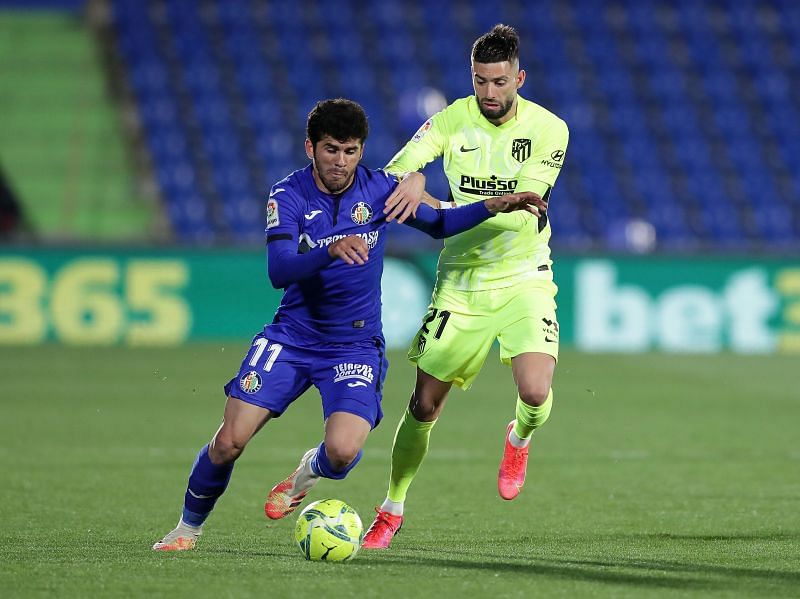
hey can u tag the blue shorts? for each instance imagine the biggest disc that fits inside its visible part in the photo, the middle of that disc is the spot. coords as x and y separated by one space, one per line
349 376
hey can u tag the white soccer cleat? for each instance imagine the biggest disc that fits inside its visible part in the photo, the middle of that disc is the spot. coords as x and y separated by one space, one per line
182 538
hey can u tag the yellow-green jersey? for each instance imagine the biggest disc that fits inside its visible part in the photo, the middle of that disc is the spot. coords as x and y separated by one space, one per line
482 160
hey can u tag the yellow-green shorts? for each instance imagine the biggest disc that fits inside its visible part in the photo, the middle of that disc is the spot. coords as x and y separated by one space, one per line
460 327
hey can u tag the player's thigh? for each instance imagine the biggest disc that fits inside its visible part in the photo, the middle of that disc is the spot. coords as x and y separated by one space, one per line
240 422
271 376
350 379
454 339
528 316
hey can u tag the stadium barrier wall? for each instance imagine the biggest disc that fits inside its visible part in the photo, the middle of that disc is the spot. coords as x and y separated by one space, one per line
168 297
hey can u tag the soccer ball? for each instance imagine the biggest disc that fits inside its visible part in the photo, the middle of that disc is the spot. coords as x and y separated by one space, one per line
329 530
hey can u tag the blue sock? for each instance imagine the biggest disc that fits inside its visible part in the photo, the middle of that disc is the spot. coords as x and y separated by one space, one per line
321 465
207 483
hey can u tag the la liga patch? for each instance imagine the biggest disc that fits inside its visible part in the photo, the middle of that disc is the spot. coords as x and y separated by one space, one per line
426 126
273 220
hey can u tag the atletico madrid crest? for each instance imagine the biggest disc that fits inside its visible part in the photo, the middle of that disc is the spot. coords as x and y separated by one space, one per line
521 149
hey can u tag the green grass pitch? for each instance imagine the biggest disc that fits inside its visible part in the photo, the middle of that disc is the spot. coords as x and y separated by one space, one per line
656 475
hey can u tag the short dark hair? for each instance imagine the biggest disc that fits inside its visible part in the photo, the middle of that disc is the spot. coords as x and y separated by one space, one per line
498 45
340 118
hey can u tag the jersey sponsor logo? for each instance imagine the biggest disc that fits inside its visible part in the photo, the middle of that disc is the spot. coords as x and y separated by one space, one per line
312 214
350 371
550 329
521 149
250 382
272 214
426 126
361 213
370 238
556 158
463 149
487 187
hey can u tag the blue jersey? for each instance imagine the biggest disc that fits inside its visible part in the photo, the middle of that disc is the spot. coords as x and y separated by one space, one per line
340 302
327 300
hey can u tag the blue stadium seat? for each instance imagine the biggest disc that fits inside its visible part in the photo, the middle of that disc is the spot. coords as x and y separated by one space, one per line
222 90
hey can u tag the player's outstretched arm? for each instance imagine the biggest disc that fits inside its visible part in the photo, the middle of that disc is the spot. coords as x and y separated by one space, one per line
405 198
445 223
528 201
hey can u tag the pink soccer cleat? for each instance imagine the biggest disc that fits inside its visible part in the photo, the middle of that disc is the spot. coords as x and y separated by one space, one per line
511 476
382 530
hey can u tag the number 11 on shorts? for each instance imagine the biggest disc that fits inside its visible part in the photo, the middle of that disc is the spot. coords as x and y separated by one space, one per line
274 350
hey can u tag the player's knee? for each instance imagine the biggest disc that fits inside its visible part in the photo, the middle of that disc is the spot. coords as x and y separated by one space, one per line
534 394
225 449
426 408
341 455
425 412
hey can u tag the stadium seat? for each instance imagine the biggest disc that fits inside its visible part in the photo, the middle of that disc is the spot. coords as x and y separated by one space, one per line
664 120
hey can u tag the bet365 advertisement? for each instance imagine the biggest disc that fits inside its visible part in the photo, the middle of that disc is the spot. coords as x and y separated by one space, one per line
168 297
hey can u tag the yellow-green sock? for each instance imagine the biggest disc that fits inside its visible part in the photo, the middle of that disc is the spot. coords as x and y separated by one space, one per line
409 449
529 418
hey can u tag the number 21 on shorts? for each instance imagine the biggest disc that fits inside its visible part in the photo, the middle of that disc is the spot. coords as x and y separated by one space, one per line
436 319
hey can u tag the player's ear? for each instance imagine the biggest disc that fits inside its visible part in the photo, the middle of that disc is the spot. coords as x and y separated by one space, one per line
309 149
520 78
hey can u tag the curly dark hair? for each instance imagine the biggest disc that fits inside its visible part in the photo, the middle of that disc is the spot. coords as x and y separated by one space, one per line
498 45
340 118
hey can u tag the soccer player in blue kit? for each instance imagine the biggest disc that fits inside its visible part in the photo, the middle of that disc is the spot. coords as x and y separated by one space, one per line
326 227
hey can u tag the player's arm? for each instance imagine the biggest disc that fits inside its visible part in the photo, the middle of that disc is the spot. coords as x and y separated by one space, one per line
284 264
427 144
445 223
516 221
405 198
538 175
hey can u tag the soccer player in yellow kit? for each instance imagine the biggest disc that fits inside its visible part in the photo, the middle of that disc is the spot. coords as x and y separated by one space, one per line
494 281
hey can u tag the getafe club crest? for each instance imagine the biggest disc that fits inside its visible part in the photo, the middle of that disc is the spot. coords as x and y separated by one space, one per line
521 149
250 382
361 213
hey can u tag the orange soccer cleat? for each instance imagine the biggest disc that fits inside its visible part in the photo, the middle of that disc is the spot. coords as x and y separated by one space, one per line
382 530
511 476
287 495
181 539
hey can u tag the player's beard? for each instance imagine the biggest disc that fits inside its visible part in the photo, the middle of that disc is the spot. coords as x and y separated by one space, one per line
497 113
336 185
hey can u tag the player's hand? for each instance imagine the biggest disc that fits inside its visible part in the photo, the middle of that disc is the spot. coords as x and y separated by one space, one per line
351 249
405 198
524 200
